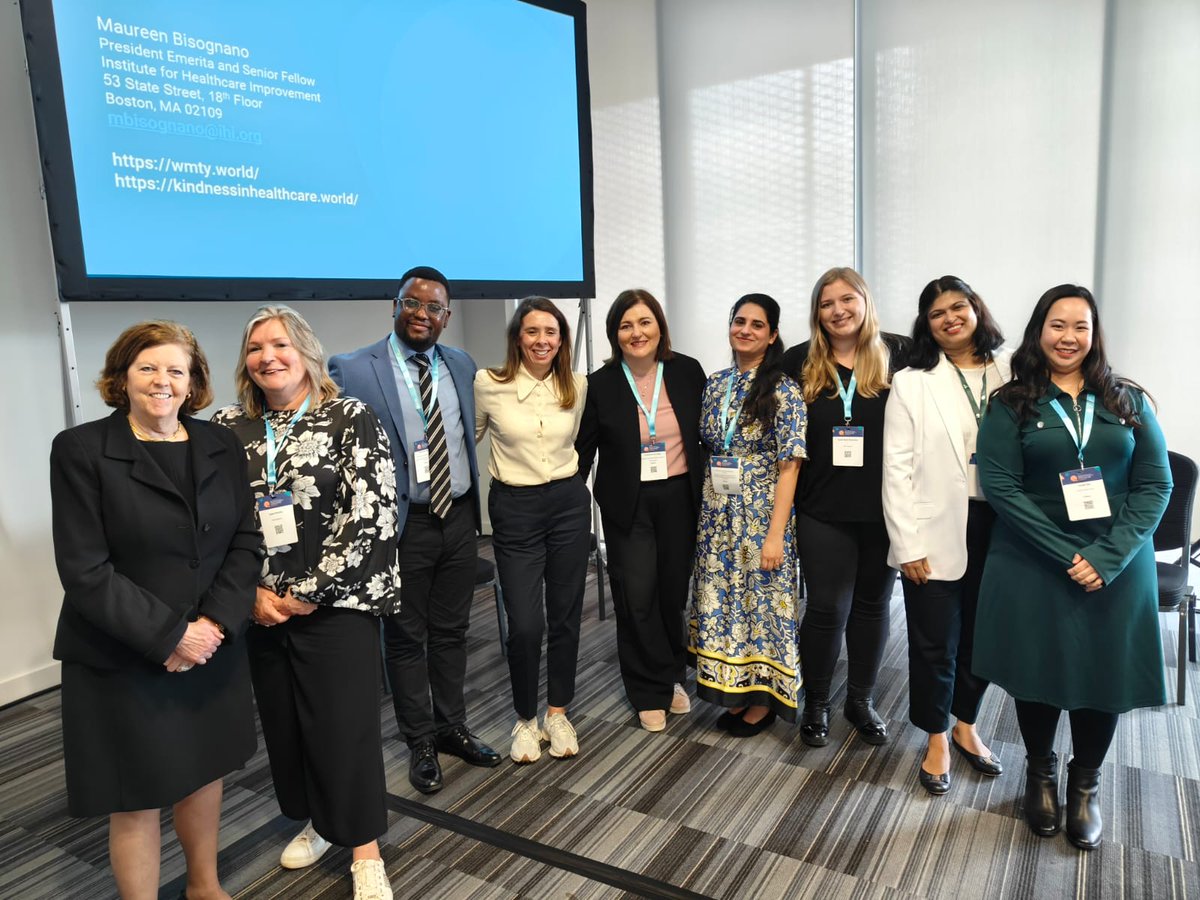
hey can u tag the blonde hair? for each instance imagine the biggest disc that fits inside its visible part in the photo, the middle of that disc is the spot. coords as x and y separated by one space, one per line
320 385
871 359
561 370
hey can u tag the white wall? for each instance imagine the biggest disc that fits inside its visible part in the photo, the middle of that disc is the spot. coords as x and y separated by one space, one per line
31 404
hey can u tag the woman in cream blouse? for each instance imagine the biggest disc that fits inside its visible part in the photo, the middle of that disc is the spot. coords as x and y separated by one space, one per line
541 516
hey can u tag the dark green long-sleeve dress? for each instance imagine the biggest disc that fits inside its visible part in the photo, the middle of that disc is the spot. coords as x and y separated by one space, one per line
1038 634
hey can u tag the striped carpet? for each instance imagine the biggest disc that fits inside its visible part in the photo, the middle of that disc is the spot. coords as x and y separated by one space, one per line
687 812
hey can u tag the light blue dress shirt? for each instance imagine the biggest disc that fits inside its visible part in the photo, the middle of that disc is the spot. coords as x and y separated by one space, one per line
414 426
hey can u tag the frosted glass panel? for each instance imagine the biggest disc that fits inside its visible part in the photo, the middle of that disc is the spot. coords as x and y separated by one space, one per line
981 145
1150 268
758 151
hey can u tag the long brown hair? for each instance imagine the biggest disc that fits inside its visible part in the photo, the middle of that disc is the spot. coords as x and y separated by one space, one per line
560 369
871 359
625 301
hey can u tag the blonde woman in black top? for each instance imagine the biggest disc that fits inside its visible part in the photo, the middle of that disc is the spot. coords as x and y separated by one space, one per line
844 372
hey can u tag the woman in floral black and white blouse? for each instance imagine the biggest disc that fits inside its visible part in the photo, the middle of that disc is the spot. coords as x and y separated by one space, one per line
325 489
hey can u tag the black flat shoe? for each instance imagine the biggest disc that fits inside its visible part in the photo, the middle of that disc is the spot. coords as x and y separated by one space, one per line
861 714
424 773
727 719
935 784
986 765
458 741
814 723
742 728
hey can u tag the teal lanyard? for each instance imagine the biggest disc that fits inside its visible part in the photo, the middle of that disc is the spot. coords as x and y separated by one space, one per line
847 393
275 444
728 422
412 391
651 414
976 407
1082 436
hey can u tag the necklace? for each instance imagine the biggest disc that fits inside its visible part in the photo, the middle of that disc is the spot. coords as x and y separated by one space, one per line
145 436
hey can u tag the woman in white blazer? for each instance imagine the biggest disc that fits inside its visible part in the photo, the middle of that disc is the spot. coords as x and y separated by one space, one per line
937 518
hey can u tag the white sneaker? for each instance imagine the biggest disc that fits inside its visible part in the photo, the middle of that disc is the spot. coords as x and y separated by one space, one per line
680 702
304 850
370 880
527 741
561 734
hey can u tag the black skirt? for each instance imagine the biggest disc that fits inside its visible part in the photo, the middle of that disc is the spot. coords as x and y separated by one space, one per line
146 738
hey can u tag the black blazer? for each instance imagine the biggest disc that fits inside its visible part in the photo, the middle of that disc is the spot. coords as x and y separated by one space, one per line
134 564
610 424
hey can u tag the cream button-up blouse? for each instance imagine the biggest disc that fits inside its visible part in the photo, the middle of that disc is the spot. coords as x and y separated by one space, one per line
533 438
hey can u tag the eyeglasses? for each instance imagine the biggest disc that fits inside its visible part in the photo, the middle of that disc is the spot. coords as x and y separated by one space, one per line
433 310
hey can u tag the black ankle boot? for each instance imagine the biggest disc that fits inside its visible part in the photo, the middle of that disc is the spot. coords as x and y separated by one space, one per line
1042 811
814 723
1083 807
860 712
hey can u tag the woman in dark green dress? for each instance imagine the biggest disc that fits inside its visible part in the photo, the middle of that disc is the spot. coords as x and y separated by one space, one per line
1073 462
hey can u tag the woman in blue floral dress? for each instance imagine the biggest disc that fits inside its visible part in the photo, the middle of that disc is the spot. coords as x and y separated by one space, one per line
742 621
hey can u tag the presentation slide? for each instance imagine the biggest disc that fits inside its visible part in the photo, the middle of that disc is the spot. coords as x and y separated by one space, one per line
335 140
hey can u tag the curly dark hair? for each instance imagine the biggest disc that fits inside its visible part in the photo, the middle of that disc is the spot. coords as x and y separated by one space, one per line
1031 374
760 404
925 351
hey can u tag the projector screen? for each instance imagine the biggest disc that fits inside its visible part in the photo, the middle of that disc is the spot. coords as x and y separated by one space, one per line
220 149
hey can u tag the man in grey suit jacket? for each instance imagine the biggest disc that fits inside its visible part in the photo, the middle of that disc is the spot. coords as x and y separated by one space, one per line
419 388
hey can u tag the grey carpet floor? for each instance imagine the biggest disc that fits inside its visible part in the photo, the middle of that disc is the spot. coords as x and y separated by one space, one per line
692 807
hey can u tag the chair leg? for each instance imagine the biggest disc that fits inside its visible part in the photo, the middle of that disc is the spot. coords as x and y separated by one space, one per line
1190 600
1181 660
501 617
383 671
600 582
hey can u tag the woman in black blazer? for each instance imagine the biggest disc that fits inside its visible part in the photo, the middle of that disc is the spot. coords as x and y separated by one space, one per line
643 416
158 553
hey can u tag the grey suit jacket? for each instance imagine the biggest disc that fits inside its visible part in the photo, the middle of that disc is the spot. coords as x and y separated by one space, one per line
367 374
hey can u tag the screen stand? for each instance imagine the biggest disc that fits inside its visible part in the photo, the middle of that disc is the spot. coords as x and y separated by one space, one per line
583 336
66 338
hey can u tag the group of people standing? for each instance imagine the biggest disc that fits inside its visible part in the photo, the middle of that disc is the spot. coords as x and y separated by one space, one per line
268 545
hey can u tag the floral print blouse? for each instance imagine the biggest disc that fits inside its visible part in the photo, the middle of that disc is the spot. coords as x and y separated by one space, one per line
338 464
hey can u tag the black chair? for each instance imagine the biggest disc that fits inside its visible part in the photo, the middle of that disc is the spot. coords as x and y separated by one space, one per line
485 576
1174 532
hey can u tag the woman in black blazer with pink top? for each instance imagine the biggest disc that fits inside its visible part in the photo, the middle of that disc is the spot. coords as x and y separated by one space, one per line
648 488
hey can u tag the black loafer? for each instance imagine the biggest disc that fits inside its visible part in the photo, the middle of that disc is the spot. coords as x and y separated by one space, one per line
742 728
814 723
727 719
861 714
458 741
935 784
986 765
424 773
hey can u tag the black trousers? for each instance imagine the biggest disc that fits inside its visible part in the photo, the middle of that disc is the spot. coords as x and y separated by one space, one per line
426 639
541 536
849 586
649 567
316 680
941 636
1091 731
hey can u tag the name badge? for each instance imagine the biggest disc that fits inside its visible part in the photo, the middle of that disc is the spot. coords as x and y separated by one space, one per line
277 520
1084 494
973 489
654 461
726 474
421 461
848 445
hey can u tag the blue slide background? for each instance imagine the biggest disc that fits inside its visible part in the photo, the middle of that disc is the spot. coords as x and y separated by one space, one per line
454 121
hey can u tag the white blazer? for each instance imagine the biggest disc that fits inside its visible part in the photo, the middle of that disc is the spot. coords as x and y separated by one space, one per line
925 490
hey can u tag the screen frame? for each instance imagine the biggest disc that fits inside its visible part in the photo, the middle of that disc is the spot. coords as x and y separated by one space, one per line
58 182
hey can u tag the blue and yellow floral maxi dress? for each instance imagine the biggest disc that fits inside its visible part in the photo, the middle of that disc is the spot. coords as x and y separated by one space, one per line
742 620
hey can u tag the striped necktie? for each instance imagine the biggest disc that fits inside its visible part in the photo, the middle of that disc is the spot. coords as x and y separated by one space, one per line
435 433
